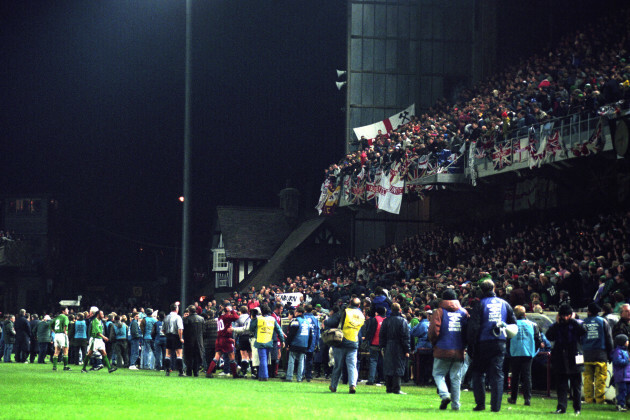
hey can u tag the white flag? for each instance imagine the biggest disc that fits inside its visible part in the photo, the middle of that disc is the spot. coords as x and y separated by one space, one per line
391 123
390 193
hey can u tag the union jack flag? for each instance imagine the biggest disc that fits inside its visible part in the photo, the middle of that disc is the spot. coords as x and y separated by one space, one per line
412 175
536 153
581 150
595 142
553 143
480 152
358 188
593 145
372 185
502 156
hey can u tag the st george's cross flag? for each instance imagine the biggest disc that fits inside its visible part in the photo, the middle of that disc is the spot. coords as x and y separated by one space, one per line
391 123
390 193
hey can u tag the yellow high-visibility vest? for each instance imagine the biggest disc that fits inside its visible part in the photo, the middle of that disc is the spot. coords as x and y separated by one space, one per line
265 328
352 324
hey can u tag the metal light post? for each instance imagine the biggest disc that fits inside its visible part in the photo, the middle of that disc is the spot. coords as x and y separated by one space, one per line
187 146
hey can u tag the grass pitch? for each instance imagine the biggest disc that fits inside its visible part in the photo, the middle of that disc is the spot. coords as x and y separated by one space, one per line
34 391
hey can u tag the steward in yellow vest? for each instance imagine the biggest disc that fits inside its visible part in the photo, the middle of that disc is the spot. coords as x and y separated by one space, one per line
262 327
352 320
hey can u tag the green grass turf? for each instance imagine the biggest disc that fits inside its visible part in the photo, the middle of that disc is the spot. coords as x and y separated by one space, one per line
34 391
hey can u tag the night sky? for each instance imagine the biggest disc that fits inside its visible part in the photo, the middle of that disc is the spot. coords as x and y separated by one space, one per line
93 104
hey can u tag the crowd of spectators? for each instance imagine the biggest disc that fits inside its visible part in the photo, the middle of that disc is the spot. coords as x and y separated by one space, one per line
8 236
537 266
583 72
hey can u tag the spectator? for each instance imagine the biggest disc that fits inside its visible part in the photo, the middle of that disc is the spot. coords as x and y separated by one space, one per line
623 325
136 339
566 359
372 331
34 347
621 370
193 341
394 339
423 352
22 337
8 331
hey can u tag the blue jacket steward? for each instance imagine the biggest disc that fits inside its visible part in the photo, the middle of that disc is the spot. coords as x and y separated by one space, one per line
147 323
597 343
120 331
316 332
487 319
447 330
80 330
527 341
300 335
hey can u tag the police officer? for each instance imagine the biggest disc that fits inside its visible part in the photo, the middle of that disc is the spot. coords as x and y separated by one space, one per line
487 345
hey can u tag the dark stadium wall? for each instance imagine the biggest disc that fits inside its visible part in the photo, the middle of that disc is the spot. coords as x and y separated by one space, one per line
526 27
594 185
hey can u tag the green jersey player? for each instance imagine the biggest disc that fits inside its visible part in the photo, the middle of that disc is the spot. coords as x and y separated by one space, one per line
97 340
60 327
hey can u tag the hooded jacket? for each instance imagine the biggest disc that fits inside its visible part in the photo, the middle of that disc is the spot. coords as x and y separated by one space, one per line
447 330
382 300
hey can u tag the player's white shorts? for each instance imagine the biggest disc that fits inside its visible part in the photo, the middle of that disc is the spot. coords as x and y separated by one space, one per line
61 340
96 344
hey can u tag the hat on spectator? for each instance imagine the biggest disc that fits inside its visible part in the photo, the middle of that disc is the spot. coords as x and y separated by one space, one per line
621 340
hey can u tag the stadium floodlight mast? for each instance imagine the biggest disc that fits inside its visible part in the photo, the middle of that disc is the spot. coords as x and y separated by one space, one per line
187 147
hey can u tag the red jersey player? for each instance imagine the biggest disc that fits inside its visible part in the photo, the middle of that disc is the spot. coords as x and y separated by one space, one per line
225 342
